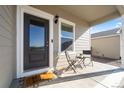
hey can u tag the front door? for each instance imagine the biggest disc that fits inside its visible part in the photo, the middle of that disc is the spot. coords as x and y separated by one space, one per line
36 42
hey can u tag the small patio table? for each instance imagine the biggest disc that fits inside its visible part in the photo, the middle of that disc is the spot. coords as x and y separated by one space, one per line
82 58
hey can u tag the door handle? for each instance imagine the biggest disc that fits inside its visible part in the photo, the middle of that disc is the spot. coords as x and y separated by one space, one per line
52 40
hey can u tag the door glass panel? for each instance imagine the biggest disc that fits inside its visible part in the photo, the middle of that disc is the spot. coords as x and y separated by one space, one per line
36 36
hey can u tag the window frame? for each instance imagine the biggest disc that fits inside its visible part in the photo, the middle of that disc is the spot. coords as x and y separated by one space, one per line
61 20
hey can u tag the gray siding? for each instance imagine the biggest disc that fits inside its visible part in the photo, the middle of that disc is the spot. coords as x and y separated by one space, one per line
82 39
7 44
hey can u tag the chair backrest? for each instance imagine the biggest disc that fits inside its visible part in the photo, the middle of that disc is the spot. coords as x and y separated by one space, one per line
67 56
87 52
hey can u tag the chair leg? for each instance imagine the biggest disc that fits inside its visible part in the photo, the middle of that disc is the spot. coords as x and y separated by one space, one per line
80 63
67 68
84 64
83 61
74 70
92 63
81 66
72 66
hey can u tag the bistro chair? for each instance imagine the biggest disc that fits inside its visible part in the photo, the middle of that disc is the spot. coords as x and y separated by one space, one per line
71 62
81 59
88 54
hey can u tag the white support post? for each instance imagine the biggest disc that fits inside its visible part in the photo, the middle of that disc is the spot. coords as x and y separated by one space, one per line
122 42
121 10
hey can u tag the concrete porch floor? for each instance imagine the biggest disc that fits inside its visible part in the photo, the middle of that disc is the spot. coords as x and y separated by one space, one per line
101 75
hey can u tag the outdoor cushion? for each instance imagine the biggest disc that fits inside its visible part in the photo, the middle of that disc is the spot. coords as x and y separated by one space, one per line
48 75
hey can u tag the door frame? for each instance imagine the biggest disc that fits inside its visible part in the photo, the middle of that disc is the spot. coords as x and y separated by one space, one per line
20 39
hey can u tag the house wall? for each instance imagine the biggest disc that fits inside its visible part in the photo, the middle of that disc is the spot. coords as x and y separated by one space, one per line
7 44
108 47
82 34
8 39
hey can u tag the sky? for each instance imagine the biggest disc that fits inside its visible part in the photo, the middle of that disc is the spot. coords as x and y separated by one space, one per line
106 25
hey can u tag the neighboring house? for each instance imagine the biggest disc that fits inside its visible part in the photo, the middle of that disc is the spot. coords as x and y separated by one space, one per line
33 38
106 44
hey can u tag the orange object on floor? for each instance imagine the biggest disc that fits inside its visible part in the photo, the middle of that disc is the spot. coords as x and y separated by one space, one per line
48 75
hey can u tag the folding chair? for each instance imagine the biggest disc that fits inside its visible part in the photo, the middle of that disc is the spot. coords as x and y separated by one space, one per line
71 62
81 59
88 52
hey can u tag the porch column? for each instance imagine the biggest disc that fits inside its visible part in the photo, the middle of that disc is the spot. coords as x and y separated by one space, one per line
122 43
121 10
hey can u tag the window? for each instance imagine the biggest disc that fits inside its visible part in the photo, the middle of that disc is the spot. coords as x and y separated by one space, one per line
66 36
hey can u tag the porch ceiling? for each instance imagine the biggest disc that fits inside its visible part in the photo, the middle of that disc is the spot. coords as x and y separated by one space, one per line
93 14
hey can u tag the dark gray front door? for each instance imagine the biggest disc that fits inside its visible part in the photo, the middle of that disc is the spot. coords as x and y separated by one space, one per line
36 42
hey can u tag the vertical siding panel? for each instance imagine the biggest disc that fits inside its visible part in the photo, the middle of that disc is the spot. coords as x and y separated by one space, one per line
82 39
7 44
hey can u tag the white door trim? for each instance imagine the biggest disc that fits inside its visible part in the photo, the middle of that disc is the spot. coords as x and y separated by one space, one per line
19 40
